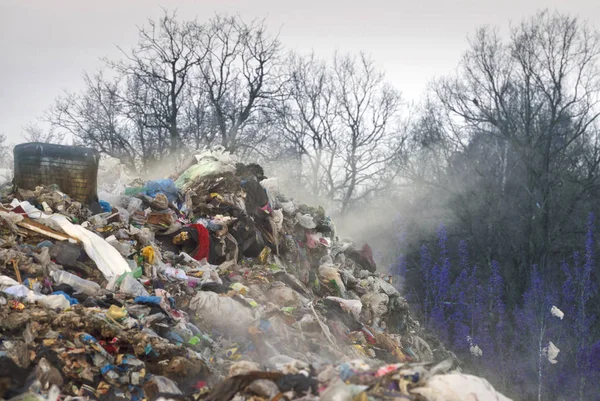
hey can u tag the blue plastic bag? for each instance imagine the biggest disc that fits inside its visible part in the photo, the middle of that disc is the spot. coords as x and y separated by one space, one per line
106 207
71 300
165 186
152 300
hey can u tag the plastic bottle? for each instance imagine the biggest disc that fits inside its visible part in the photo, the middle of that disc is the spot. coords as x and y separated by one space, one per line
80 285
182 330
133 287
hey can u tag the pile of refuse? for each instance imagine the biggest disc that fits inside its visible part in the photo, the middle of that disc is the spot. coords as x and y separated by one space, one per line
210 284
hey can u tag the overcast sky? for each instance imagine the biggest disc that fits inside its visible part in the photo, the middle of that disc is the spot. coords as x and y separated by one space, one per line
47 44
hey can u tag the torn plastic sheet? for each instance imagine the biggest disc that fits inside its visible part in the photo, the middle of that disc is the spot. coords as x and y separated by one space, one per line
52 301
109 261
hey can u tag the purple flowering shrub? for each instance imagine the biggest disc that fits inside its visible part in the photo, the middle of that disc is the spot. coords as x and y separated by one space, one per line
513 345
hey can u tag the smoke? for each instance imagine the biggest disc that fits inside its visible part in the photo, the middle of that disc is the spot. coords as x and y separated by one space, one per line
409 211
378 221
112 173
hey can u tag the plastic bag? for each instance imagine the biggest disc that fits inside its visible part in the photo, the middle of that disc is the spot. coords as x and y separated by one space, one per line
134 204
106 207
124 248
286 364
172 272
161 384
306 221
222 313
6 281
215 162
65 253
271 185
330 273
340 391
11 219
375 303
123 214
17 290
98 220
240 288
288 207
133 287
160 202
458 387
149 254
52 301
277 218
166 187
282 295
380 285
116 313
352 305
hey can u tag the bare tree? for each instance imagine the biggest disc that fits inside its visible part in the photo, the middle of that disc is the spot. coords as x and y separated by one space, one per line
307 116
182 82
238 64
201 125
538 94
371 136
35 133
343 121
95 118
5 153
162 61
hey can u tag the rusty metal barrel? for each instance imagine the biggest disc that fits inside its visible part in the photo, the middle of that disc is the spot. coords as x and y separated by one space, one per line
73 169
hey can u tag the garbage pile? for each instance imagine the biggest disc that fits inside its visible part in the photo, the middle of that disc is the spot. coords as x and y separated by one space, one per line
210 284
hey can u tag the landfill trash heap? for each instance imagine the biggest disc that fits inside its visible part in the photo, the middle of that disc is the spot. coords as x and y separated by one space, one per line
210 284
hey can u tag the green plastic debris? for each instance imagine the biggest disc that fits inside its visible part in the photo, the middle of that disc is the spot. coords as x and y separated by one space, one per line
136 273
132 191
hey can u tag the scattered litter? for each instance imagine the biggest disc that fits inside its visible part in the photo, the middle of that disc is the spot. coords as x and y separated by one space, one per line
206 285
551 352
557 312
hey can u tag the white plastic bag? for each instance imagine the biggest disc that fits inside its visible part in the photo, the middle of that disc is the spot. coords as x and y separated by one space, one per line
217 161
172 272
52 301
306 221
288 207
376 303
380 285
330 272
458 387
354 306
223 313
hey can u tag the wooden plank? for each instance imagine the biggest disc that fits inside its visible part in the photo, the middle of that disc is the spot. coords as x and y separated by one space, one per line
34 226
43 230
